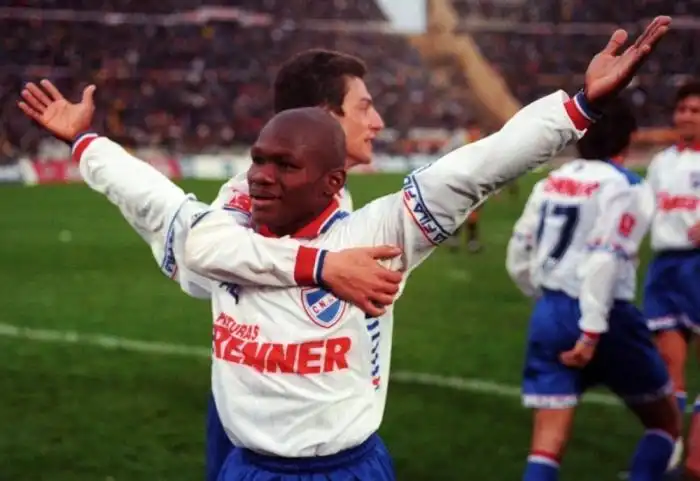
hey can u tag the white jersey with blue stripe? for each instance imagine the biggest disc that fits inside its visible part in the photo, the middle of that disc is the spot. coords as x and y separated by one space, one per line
674 174
580 233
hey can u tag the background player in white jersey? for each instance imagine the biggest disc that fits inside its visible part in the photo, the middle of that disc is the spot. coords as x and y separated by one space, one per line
672 286
575 249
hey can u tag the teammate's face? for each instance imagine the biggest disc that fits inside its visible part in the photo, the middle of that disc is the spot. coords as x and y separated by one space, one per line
686 118
361 122
288 185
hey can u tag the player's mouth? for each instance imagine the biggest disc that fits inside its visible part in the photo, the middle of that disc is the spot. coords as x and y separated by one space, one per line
263 200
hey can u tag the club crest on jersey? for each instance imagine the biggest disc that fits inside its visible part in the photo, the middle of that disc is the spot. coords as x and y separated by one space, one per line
322 307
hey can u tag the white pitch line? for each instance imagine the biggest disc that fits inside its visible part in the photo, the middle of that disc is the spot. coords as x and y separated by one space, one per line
105 341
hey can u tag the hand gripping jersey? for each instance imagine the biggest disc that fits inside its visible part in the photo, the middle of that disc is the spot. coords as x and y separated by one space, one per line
674 175
295 370
580 234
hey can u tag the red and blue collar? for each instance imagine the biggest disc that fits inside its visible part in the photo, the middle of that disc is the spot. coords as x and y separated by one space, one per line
316 227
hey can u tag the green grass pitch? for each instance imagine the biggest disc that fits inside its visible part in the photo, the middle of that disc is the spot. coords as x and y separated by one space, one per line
77 412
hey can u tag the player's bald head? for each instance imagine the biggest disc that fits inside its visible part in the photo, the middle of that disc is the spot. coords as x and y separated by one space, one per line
298 167
310 133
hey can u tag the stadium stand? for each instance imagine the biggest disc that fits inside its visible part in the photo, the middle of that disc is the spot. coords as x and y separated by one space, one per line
188 84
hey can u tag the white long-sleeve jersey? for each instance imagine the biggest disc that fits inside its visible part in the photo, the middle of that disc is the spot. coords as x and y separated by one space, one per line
580 233
674 174
297 372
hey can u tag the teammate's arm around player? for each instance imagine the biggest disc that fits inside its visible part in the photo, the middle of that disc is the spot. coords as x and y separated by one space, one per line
162 214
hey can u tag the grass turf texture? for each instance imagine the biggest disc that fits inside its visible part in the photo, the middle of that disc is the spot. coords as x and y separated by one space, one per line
82 413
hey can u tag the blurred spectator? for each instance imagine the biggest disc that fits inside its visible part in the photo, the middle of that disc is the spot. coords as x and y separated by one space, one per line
190 86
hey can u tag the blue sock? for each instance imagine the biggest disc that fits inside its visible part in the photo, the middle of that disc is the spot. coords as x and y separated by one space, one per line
682 400
652 456
541 466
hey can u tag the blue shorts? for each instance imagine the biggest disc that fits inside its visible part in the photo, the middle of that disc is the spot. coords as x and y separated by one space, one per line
672 292
218 445
370 461
626 359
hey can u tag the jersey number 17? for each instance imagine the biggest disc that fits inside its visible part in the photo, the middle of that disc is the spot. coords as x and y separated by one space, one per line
569 215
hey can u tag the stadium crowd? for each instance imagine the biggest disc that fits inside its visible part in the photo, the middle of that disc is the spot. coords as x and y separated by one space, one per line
188 86
596 11
544 64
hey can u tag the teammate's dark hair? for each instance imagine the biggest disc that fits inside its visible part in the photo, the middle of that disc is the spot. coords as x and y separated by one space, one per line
316 78
690 89
611 135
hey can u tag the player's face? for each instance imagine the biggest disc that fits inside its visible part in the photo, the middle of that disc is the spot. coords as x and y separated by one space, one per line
288 189
361 122
686 118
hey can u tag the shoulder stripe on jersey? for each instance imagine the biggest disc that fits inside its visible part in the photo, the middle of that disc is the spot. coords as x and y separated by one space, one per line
632 177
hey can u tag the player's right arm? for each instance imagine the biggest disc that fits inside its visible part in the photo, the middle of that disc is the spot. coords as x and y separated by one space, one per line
522 242
438 198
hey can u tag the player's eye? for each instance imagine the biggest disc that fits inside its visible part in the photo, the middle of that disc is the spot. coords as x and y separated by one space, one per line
287 166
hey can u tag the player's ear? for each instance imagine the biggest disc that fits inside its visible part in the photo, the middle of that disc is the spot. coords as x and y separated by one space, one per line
335 181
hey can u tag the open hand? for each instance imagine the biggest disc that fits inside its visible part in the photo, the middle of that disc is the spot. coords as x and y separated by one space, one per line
609 73
355 276
51 110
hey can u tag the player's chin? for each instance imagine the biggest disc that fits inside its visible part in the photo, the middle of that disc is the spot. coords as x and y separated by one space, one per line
264 215
362 156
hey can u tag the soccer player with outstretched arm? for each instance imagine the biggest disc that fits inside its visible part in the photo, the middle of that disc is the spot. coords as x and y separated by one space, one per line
297 373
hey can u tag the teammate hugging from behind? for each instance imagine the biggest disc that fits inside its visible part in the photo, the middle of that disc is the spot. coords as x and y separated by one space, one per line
672 284
575 248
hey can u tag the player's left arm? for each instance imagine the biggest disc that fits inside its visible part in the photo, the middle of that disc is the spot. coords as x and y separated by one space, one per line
436 199
522 241
614 242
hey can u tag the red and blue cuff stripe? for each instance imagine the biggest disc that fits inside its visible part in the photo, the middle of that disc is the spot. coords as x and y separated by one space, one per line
308 268
580 111
590 338
81 143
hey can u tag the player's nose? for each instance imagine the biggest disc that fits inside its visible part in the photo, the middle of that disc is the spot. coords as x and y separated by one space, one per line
376 121
263 173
